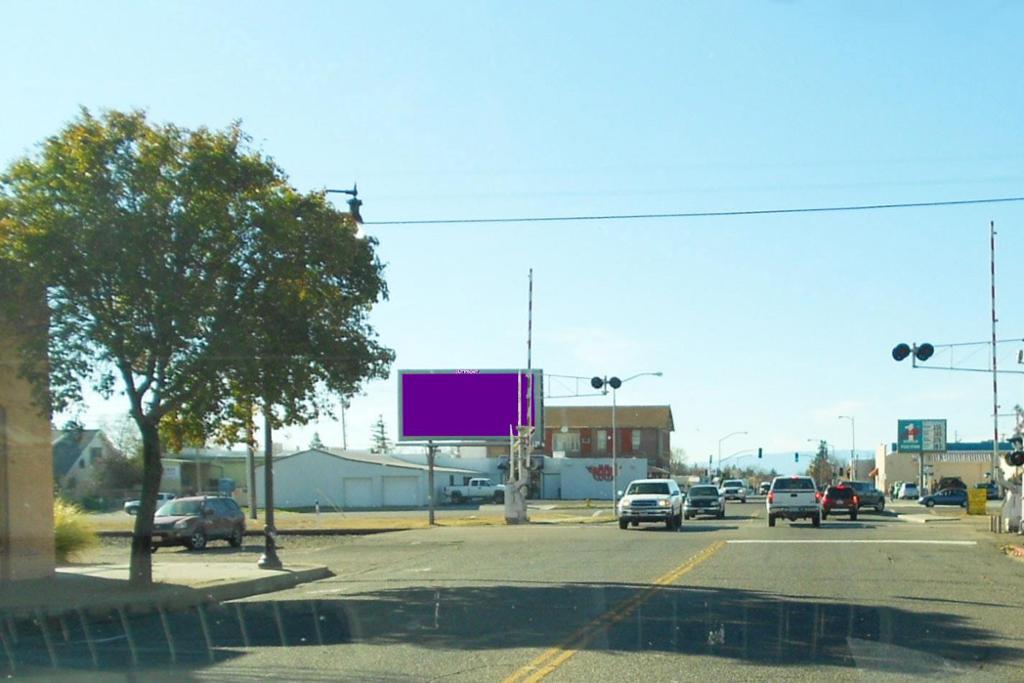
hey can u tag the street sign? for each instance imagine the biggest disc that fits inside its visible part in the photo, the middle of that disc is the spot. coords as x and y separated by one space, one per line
917 436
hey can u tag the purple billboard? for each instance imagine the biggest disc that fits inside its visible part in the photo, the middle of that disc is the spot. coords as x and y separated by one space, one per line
467 405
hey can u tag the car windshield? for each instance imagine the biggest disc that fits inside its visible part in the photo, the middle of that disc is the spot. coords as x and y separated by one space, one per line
647 487
794 484
441 306
698 491
180 508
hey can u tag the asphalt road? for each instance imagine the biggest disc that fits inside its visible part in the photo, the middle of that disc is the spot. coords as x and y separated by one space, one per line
881 598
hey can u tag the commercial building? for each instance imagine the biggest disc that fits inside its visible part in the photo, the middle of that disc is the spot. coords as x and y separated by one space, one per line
970 461
586 432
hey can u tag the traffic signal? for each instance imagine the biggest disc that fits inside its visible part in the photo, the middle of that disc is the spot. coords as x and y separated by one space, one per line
924 351
796 457
759 454
597 382
1016 458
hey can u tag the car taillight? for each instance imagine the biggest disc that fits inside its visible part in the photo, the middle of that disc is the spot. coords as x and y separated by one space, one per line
856 500
817 496
771 496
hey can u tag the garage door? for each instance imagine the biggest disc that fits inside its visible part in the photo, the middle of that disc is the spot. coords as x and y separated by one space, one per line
401 491
358 492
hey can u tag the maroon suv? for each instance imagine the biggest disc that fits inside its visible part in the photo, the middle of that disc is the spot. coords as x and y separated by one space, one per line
840 499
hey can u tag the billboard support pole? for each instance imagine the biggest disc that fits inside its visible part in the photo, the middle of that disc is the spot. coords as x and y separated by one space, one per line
431 450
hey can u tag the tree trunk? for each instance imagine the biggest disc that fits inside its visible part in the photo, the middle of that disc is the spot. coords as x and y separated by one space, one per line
141 569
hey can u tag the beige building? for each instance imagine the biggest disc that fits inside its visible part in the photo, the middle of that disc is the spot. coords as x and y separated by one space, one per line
26 474
970 461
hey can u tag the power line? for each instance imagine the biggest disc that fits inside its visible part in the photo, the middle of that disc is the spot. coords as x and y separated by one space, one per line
701 214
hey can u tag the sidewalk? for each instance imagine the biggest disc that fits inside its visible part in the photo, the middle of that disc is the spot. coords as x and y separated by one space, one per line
175 585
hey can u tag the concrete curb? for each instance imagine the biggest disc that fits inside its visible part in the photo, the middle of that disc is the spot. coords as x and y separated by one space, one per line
221 591
282 532
928 519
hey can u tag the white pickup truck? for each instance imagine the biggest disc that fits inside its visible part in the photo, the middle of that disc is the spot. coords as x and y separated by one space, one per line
476 489
793 498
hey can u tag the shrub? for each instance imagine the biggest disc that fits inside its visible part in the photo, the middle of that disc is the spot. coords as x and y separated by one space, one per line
71 529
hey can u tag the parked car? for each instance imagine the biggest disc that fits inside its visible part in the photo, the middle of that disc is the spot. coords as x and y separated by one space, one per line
840 498
476 489
764 488
793 498
194 521
132 506
991 490
908 491
704 499
946 497
734 489
651 500
870 497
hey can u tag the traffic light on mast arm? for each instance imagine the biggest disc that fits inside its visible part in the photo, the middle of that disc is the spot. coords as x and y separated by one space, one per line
759 454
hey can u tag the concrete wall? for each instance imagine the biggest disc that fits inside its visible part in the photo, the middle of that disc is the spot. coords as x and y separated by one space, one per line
585 478
26 474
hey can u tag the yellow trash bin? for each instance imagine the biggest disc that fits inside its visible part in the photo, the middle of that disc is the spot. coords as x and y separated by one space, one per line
976 499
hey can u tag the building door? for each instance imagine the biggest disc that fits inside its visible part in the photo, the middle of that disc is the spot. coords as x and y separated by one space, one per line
401 491
358 492
552 486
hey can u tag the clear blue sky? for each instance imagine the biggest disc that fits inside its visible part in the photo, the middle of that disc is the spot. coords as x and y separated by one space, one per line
773 325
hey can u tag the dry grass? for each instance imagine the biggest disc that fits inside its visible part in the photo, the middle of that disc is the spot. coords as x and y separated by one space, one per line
72 530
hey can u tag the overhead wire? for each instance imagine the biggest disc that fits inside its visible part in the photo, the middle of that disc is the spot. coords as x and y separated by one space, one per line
701 214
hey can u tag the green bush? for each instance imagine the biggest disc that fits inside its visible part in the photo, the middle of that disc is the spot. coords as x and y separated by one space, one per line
71 530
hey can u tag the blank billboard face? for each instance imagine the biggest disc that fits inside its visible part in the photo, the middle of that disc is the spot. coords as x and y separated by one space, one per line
467 405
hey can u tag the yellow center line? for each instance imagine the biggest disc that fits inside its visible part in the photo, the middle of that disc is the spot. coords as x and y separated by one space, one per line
547 662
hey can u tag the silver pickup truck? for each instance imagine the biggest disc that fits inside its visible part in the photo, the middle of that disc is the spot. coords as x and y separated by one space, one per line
793 498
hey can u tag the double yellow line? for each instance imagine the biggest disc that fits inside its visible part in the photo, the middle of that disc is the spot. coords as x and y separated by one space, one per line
551 659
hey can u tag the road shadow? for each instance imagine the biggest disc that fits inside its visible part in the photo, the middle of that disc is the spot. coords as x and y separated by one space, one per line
745 626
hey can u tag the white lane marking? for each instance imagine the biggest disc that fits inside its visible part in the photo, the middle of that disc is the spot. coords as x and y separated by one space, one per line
828 540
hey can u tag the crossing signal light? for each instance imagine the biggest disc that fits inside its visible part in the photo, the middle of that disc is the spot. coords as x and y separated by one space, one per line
924 351
900 352
1016 458
921 352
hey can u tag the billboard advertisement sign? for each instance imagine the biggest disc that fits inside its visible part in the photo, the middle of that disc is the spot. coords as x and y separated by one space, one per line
921 436
468 405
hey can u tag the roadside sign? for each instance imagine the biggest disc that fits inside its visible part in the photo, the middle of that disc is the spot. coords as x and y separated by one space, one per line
917 436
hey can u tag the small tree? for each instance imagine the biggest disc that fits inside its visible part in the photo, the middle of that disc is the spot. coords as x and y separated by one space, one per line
823 468
181 264
316 442
381 443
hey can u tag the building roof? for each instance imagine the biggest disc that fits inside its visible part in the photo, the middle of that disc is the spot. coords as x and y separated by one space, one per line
369 458
68 445
639 417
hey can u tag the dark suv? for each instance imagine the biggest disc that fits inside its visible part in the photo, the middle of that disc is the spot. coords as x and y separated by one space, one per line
840 498
192 522
870 497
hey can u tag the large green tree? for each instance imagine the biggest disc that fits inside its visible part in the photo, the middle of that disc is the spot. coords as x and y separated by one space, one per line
180 266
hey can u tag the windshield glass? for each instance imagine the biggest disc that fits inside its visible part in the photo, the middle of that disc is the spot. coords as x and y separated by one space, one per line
180 508
414 295
703 491
650 487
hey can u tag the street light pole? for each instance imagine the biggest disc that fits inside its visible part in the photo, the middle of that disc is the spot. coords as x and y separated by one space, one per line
853 440
615 383
719 468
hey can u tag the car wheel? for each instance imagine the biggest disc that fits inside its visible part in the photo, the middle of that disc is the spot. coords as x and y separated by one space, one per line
670 523
721 514
687 516
635 523
456 498
929 503
236 537
881 506
816 520
771 521
623 524
824 515
963 504
853 515
743 500
197 541
499 497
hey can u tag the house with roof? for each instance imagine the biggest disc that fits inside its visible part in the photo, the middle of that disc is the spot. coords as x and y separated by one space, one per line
353 480
75 453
